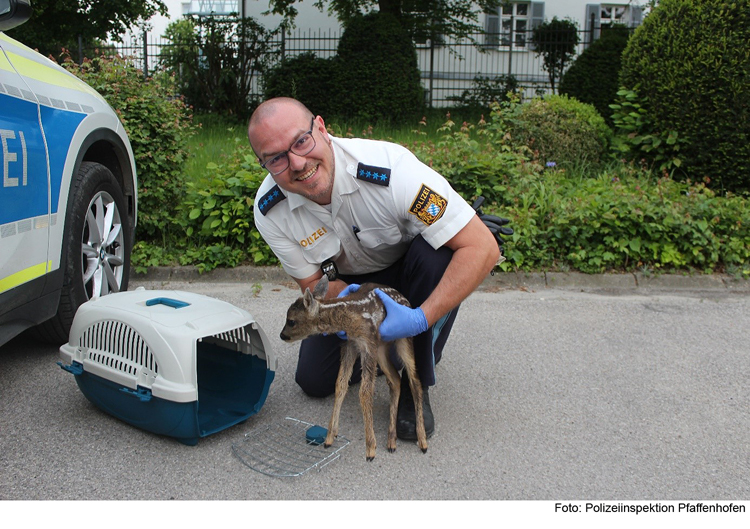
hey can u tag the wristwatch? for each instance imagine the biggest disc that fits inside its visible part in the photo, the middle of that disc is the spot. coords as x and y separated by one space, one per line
329 269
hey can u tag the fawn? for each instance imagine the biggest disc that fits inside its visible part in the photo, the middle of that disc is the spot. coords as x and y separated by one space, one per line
359 314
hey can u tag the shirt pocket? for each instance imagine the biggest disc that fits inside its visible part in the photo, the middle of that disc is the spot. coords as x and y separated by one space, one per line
375 237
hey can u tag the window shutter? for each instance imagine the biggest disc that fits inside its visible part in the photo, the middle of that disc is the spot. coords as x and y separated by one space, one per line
593 23
491 31
537 18
636 16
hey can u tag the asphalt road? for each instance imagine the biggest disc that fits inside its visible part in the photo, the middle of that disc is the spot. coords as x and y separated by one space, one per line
543 394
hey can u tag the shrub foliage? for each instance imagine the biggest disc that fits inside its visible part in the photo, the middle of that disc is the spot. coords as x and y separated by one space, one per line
593 76
158 124
307 78
689 62
377 78
560 130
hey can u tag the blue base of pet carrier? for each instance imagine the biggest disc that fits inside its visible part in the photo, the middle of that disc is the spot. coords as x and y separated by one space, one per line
231 388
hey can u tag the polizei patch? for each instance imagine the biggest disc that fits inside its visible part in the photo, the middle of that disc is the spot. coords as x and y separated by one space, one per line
428 206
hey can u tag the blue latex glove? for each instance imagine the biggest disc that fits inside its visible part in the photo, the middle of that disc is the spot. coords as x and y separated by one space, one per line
348 290
400 321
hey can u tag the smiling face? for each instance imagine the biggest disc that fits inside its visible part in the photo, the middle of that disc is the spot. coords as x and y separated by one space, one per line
275 127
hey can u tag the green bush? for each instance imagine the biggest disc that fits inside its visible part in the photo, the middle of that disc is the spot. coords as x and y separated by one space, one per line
378 78
636 139
689 61
478 160
217 214
158 125
485 91
560 131
624 220
593 76
306 78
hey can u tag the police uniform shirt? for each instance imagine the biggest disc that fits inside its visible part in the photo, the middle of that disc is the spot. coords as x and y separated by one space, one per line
382 198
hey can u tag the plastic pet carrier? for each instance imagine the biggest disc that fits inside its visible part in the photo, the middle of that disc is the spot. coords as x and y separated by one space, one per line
173 363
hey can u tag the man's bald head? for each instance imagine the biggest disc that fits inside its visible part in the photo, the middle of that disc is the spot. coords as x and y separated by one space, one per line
273 109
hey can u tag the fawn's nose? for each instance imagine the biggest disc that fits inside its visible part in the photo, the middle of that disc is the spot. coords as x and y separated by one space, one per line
284 337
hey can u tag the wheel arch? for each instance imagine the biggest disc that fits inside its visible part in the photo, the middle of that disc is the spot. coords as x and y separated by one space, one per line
107 148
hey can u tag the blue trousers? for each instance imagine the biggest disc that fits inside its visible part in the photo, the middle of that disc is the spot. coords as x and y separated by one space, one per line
415 275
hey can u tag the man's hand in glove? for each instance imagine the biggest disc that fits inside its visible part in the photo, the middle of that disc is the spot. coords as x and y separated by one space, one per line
400 321
496 225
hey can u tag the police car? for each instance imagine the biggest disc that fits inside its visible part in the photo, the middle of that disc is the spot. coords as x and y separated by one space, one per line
68 191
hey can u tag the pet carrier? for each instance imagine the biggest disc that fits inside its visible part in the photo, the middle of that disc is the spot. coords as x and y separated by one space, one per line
170 362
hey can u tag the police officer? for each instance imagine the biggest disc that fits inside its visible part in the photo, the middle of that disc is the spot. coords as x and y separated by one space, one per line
362 210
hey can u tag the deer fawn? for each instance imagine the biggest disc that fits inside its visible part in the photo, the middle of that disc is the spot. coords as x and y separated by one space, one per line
359 314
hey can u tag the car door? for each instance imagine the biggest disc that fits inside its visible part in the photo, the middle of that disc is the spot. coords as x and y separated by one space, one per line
24 191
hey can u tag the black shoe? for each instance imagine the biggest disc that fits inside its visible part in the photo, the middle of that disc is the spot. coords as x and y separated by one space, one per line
406 421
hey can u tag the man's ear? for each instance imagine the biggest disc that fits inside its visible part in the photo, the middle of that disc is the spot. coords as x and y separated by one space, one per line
321 288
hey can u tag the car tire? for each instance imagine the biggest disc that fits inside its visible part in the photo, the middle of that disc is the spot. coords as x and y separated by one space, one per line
96 246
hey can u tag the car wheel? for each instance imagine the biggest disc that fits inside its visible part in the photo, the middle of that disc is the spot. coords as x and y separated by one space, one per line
96 246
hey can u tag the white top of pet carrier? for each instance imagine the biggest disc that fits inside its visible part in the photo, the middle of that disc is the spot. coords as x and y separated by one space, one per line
149 338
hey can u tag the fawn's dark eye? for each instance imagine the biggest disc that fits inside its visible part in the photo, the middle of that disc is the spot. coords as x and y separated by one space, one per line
290 323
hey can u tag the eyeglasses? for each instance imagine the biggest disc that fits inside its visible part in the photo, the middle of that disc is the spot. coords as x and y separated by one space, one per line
302 146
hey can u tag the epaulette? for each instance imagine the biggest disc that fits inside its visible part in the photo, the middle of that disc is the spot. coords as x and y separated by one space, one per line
374 175
270 199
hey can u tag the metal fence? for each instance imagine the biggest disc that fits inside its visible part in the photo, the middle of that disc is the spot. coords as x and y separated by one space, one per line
447 69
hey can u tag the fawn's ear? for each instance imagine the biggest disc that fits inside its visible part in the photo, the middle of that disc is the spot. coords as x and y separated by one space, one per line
310 303
321 288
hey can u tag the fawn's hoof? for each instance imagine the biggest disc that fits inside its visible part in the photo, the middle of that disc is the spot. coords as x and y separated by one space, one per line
424 450
391 450
369 459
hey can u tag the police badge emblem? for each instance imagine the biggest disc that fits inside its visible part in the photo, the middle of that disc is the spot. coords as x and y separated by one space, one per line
428 206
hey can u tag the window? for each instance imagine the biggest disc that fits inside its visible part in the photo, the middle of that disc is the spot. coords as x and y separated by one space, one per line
515 24
511 25
611 15
600 17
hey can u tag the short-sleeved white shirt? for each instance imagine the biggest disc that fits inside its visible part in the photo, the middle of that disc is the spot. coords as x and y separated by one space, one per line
383 197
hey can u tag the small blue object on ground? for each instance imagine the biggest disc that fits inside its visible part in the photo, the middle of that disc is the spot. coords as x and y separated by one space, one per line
316 435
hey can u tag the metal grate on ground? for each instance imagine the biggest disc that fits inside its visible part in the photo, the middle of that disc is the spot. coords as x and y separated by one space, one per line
282 450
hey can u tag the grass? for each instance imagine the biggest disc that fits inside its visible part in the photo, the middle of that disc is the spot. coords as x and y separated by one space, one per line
218 136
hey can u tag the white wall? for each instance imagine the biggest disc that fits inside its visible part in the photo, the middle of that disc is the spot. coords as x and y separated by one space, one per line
310 17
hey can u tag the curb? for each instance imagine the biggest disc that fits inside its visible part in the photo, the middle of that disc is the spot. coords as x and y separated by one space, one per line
616 282
497 282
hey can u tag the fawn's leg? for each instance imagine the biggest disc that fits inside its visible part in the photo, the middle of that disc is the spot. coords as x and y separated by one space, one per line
394 384
366 392
348 357
405 351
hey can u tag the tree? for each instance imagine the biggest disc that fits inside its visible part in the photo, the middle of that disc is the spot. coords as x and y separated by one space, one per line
556 42
689 65
56 24
216 59
422 19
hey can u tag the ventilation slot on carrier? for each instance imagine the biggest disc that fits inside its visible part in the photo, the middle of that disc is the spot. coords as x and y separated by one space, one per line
118 346
243 339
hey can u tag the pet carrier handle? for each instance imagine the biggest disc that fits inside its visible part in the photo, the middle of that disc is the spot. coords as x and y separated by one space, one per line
75 368
169 302
144 394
